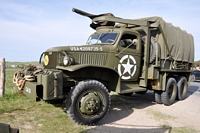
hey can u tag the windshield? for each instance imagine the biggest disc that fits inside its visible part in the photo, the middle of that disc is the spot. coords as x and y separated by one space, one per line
108 38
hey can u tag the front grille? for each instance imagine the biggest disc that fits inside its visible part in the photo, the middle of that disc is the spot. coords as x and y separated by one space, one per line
93 59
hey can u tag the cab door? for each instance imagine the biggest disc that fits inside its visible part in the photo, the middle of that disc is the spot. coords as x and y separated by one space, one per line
128 59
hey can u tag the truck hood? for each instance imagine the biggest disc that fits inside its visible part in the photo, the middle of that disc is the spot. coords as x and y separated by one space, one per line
83 48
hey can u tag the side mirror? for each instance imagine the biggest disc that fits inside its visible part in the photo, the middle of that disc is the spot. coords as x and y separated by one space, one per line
135 41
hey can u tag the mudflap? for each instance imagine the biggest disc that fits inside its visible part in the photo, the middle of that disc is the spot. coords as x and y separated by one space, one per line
33 90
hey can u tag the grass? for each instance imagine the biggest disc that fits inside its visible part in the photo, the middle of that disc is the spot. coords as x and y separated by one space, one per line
13 99
21 63
159 115
29 116
184 130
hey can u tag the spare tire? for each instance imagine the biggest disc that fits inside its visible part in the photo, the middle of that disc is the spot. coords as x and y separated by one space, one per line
152 54
152 50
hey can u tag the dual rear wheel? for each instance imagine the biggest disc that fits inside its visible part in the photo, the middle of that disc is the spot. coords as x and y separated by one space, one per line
174 90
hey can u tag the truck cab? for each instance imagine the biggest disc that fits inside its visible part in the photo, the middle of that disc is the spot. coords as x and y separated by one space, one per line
125 50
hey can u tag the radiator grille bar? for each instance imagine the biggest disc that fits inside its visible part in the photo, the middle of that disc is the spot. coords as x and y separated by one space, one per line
93 59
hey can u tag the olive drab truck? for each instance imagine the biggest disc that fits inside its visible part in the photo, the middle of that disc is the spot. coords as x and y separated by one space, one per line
122 55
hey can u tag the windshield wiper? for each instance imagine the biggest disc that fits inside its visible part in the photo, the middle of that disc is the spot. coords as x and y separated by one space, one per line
105 34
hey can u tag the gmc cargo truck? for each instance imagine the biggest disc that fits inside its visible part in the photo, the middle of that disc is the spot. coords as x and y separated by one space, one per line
123 55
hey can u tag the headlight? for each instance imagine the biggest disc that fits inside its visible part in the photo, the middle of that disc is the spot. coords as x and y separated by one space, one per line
66 60
46 60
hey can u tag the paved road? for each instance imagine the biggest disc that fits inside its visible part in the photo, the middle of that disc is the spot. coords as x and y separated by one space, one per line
194 88
140 114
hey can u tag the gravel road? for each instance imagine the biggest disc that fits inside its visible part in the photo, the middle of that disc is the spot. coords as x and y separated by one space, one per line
140 114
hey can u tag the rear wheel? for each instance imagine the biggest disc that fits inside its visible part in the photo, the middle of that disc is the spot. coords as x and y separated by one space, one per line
88 102
182 88
169 95
157 95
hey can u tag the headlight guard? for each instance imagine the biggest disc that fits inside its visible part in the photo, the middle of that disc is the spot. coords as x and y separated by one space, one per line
68 60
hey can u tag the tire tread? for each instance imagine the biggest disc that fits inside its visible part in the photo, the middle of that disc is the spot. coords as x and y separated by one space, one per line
181 79
164 96
72 95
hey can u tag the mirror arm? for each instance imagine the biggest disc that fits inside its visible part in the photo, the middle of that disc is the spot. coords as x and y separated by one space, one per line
126 48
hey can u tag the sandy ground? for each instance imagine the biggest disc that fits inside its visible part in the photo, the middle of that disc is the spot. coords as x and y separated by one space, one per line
140 114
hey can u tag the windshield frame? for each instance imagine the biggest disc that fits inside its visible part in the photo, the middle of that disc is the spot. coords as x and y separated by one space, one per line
100 36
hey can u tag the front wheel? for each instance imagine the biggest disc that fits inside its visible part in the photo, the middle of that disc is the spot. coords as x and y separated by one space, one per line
88 102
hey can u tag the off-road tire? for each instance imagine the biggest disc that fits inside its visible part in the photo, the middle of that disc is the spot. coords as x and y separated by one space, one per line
182 87
169 95
192 78
157 96
81 93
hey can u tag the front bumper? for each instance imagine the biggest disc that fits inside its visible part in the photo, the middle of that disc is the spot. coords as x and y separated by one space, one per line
49 86
33 90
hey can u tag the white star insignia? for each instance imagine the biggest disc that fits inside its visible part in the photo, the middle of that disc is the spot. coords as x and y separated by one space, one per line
127 67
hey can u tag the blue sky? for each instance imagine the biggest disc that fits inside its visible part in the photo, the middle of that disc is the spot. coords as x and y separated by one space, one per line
27 28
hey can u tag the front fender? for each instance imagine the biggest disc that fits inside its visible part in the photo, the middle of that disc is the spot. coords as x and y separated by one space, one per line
114 82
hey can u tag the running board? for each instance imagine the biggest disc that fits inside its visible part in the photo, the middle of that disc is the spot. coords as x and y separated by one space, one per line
129 87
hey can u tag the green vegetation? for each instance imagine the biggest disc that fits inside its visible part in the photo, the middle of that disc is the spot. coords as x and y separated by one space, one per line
29 116
159 115
196 63
183 130
21 63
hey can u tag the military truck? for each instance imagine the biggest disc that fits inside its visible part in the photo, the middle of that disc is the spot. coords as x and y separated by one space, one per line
123 55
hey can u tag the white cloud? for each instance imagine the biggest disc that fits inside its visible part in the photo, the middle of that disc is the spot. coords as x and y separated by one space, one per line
37 25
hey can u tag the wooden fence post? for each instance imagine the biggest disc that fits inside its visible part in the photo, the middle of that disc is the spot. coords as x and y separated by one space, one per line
2 76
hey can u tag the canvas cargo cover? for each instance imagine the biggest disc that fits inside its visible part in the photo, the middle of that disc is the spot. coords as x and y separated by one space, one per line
180 43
